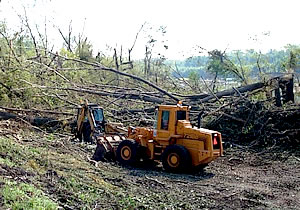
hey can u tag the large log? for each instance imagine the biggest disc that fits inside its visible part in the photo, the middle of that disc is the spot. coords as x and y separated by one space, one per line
231 92
35 121
34 111
284 82
7 116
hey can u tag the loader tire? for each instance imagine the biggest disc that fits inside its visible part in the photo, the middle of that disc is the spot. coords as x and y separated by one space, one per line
176 159
128 153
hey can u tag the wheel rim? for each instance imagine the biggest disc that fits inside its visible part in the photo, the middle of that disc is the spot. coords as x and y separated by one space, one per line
125 153
173 160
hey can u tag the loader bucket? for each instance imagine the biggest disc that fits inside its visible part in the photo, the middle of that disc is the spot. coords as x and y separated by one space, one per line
107 146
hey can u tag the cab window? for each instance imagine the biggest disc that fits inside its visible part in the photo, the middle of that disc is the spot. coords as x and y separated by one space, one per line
180 115
98 115
155 117
165 120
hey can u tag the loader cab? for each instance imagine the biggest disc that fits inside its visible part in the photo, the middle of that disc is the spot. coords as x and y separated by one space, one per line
90 118
96 114
93 110
167 117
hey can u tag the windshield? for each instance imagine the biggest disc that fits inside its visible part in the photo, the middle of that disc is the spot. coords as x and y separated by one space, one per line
98 115
165 119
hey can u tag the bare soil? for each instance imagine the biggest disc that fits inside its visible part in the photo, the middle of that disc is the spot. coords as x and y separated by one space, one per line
238 180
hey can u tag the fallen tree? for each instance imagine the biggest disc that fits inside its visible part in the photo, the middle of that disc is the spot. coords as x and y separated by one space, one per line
29 116
263 124
98 66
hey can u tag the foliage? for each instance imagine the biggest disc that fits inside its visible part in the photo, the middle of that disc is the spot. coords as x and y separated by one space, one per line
194 78
218 64
31 75
293 59
243 65
84 50
25 196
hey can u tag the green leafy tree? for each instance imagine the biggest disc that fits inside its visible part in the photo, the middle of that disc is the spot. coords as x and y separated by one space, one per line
292 61
220 65
84 50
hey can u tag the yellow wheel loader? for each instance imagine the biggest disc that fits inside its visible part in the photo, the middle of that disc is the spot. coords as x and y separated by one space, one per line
172 141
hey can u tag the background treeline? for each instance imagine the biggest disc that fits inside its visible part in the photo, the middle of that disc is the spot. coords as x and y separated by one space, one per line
272 63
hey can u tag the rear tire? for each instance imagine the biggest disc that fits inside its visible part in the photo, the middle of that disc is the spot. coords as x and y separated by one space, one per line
176 158
128 152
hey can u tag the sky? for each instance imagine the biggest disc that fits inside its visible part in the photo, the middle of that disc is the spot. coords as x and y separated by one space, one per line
211 24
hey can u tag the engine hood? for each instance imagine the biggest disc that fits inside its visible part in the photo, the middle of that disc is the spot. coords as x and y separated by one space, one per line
185 128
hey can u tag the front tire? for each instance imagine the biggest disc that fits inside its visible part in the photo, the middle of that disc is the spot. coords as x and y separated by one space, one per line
128 152
176 159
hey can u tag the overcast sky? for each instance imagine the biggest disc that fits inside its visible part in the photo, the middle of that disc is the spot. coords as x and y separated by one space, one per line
212 24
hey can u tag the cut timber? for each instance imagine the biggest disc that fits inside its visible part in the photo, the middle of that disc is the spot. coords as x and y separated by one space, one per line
35 111
7 115
243 89
285 83
35 121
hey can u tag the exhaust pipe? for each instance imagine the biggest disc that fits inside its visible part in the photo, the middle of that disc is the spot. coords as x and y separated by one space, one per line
199 118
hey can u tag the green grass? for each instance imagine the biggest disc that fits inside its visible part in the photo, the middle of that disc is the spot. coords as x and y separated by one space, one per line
7 162
76 183
25 196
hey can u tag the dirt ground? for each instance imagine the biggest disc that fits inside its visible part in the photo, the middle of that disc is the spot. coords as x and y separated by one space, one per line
239 180
242 179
